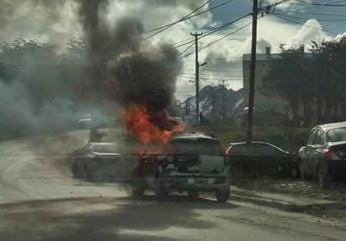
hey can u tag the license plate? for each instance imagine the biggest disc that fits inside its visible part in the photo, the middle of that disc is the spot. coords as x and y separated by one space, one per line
211 180
190 180
201 180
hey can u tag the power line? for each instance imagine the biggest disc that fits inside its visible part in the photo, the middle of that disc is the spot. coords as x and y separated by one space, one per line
228 24
163 28
306 25
321 4
214 30
319 19
192 16
316 13
219 39
307 8
187 17
187 49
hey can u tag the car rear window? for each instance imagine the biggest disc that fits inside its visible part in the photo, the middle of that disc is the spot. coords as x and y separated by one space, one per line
105 148
336 135
195 146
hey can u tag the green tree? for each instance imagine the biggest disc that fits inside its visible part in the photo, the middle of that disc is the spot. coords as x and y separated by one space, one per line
289 77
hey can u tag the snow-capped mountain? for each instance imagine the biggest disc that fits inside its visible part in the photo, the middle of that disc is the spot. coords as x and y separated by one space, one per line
216 102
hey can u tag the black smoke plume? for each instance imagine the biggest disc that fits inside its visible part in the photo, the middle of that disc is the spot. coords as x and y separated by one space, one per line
131 69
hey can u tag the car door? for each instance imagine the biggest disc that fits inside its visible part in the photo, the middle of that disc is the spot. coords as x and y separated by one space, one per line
307 155
271 158
317 149
313 151
258 158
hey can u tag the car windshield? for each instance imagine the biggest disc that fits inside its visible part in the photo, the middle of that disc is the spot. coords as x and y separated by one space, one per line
196 146
336 135
105 148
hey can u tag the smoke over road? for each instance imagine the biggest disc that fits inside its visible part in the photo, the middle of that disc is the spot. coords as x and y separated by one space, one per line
136 72
118 67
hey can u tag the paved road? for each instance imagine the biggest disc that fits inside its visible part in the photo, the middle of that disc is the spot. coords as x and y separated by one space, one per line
39 200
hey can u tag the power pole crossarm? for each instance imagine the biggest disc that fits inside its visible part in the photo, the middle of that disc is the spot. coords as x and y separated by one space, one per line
196 35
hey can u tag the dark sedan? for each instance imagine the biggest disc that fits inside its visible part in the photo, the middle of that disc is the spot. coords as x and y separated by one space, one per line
258 159
324 155
98 161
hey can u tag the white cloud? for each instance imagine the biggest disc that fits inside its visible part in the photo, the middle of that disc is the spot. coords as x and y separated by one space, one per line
310 31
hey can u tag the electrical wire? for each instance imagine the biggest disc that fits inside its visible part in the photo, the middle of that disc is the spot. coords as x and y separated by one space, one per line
192 16
214 30
321 4
167 26
309 26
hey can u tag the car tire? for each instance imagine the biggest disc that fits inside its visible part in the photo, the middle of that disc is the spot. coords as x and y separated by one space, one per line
193 194
76 169
223 195
137 191
302 172
161 191
322 175
90 172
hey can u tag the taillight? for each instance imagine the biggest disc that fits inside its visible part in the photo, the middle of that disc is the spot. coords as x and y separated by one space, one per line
329 155
228 151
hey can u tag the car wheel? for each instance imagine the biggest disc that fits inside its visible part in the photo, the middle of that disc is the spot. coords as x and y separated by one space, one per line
78 169
302 172
193 194
322 177
75 170
137 191
161 191
91 171
222 195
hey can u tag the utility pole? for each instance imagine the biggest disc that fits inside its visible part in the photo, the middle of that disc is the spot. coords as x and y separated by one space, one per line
187 109
196 35
214 104
222 83
252 71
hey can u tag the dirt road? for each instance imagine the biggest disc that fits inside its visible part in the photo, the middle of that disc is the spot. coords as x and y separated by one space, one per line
39 200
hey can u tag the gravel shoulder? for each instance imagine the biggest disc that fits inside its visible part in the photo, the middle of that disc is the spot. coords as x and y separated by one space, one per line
299 196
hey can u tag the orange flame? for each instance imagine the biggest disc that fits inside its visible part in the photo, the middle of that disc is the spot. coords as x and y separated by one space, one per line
137 122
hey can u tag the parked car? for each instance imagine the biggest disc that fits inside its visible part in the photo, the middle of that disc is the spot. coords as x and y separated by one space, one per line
98 161
257 159
84 124
324 155
190 162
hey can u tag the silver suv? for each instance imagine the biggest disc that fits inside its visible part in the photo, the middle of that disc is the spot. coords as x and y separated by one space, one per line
192 163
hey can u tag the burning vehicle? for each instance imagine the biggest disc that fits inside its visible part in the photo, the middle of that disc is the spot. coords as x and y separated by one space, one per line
98 162
188 162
